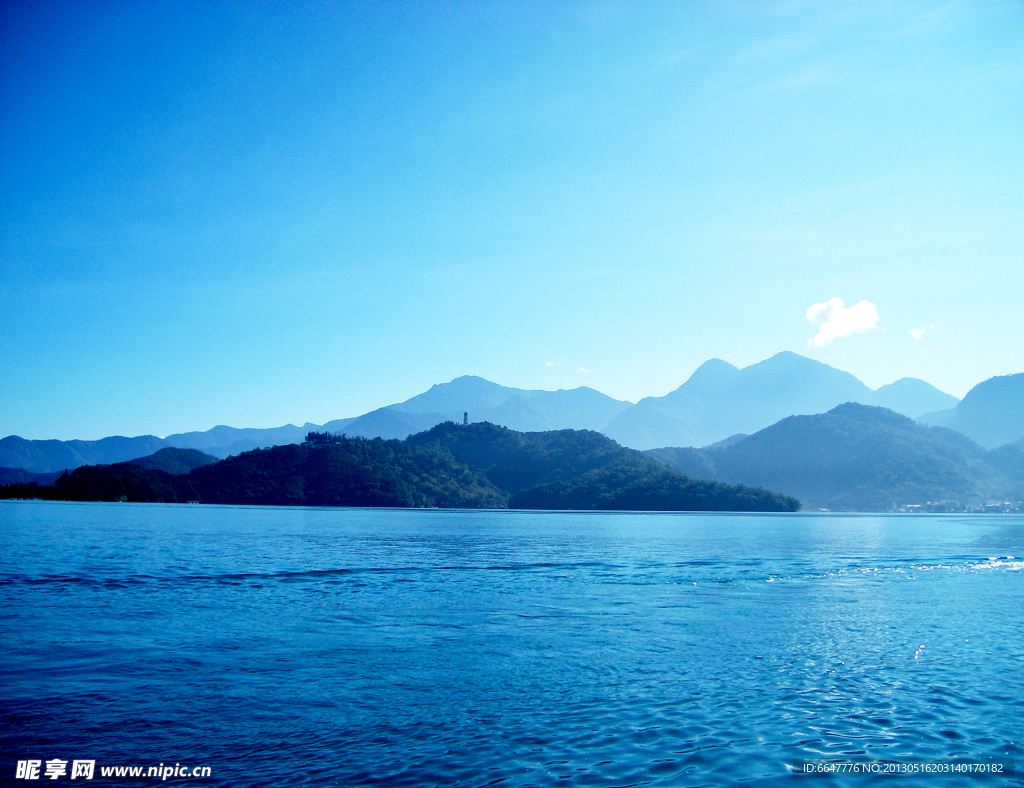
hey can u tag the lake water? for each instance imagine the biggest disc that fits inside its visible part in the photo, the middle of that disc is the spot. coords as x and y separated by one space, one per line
415 648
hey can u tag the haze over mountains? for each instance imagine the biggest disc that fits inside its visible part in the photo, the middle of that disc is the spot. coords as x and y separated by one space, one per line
860 458
720 400
518 409
992 413
717 402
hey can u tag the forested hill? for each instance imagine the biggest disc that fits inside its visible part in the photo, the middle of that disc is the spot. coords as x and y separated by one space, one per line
516 461
174 461
861 458
456 466
581 469
349 472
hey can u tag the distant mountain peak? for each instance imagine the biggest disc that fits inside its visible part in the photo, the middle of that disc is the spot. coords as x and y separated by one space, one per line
459 394
468 380
858 410
720 400
716 363
913 397
992 413
713 369
787 359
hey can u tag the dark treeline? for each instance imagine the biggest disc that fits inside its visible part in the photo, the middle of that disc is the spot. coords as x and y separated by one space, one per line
324 437
452 466
352 472
123 481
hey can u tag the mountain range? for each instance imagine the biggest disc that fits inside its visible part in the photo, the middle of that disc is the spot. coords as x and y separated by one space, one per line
169 460
992 413
717 402
860 458
518 409
451 465
720 400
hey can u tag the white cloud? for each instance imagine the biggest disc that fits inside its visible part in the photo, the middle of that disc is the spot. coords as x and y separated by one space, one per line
918 333
834 320
581 369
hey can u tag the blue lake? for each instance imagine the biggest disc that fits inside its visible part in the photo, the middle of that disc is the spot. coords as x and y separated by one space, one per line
382 647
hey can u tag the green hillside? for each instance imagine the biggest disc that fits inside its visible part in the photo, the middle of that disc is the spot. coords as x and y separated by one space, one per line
580 469
351 472
859 458
474 466
174 461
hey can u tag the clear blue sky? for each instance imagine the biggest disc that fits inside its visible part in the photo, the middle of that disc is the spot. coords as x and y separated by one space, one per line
257 213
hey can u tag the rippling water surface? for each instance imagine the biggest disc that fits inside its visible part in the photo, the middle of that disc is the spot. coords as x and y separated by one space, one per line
382 647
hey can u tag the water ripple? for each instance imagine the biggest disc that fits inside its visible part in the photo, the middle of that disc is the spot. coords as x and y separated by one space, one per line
401 648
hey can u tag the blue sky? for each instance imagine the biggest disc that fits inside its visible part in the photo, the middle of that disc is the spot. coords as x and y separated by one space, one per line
260 213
